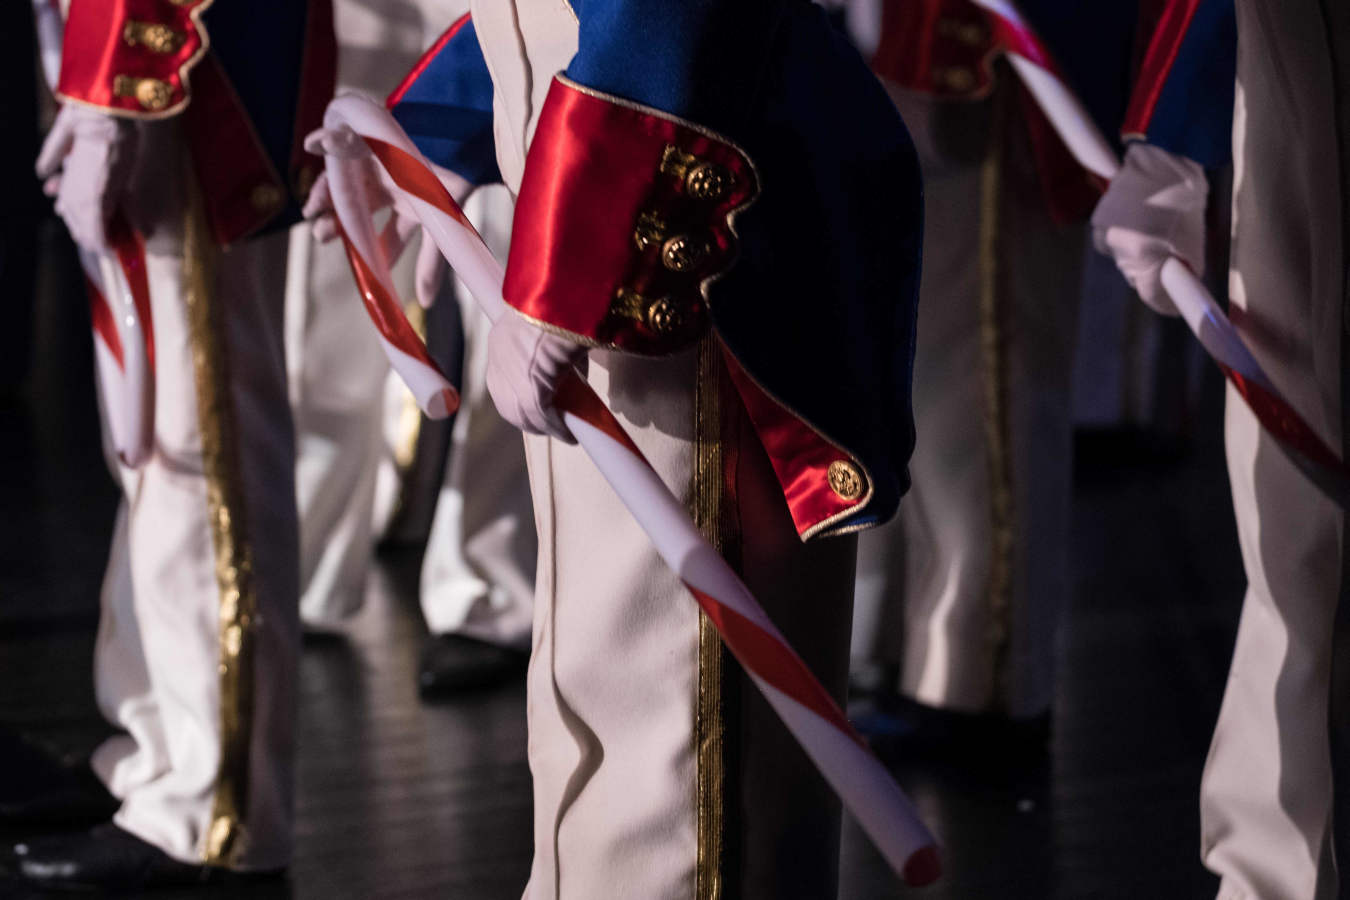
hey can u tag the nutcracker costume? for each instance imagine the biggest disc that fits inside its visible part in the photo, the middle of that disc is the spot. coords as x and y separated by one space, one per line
184 118
963 592
359 434
1268 790
718 217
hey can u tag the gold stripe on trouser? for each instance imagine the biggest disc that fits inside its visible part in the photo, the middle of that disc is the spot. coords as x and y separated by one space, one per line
717 525
226 837
996 429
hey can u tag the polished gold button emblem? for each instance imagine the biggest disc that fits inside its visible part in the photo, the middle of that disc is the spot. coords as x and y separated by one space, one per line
845 479
151 93
266 197
683 253
665 318
152 36
707 181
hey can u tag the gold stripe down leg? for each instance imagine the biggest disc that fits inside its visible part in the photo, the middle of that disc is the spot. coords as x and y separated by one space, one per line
996 427
226 838
712 516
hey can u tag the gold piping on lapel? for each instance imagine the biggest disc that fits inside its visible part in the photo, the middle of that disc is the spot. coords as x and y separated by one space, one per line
226 838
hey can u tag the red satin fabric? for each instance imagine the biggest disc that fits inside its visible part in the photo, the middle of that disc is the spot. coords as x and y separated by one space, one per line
593 168
914 47
919 43
228 157
94 52
1162 53
800 456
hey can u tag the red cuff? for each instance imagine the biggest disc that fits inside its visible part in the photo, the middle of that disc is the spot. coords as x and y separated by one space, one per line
132 57
624 218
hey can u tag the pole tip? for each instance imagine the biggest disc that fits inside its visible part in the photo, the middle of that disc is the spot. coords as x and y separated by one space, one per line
924 866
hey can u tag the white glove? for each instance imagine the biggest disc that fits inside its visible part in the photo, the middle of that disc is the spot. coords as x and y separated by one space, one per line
525 364
86 164
431 267
1153 210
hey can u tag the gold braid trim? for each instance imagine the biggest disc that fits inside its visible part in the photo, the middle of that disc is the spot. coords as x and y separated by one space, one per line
996 429
226 838
711 516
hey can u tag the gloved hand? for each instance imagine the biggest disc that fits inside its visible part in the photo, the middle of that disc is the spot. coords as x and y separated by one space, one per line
1153 210
86 164
525 365
431 267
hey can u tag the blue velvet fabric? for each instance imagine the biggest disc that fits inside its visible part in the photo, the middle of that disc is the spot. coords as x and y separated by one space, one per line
259 44
1194 114
447 110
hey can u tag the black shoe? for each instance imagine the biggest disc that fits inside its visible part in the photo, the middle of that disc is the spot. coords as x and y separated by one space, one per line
452 663
37 789
109 859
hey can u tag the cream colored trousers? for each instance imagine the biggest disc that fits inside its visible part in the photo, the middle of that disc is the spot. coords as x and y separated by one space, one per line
965 588
199 635
478 573
1266 795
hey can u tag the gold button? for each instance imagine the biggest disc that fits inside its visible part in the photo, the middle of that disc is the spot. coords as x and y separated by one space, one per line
972 34
956 79
845 479
266 198
683 253
665 318
151 93
707 181
152 36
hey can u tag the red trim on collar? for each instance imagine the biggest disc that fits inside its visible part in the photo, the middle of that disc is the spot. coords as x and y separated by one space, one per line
1162 54
425 60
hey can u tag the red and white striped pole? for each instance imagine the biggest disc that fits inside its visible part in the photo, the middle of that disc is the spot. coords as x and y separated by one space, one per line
867 790
1033 63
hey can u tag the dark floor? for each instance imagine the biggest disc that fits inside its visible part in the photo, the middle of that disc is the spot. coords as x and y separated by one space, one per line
401 800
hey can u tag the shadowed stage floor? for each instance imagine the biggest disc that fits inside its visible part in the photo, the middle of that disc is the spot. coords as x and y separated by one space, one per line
402 800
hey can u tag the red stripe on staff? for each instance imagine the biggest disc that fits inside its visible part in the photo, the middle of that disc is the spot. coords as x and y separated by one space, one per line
385 312
101 317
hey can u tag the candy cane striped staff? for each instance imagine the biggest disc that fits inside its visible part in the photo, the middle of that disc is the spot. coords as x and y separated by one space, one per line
808 711
124 348
1035 66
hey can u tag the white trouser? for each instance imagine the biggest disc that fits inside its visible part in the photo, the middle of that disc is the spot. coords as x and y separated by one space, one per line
964 589
205 771
1265 798
647 757
478 572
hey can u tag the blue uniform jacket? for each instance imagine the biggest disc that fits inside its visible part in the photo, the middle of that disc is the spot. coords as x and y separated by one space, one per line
725 163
